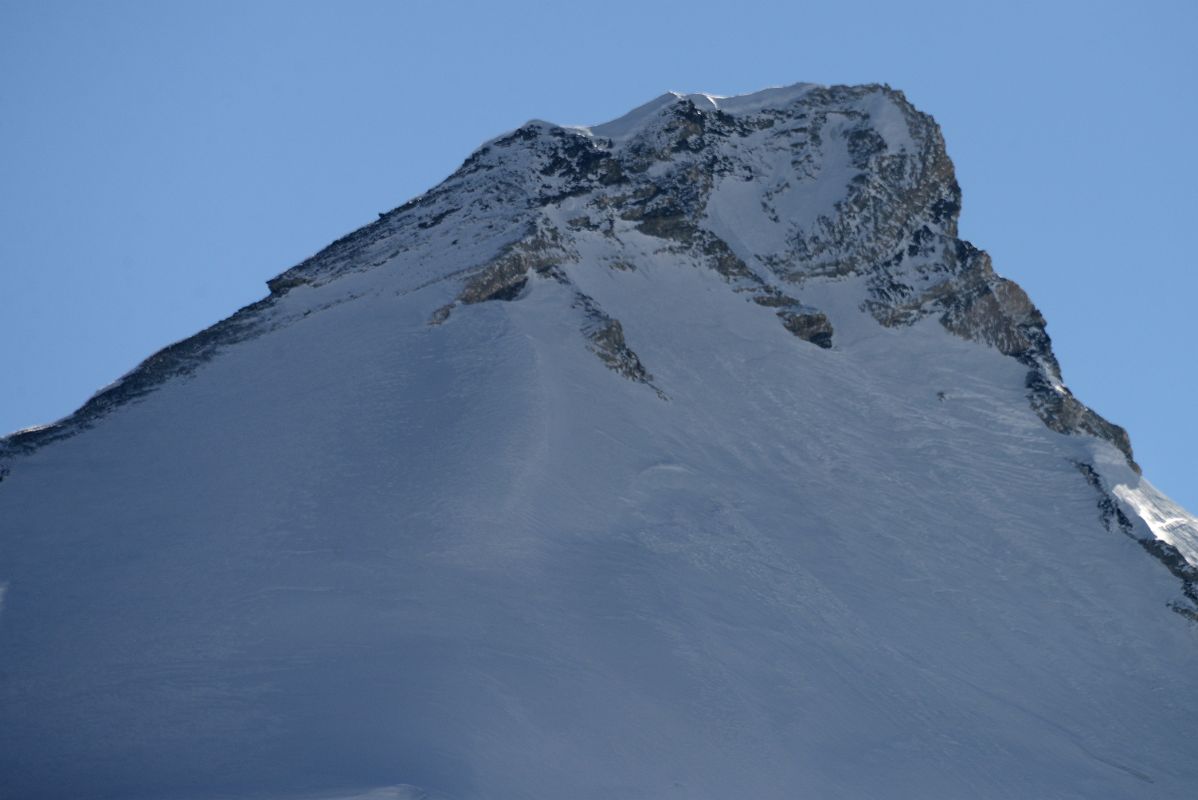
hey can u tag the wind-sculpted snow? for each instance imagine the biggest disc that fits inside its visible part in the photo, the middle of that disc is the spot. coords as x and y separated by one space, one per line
690 455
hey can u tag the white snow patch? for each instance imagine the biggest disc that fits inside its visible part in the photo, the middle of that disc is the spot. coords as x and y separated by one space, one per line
1168 521
889 121
626 126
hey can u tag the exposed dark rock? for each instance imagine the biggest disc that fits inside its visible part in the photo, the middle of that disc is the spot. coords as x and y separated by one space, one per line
506 276
503 281
1108 507
773 298
812 327
605 335
1064 413
666 223
582 160
285 283
581 223
864 144
435 219
609 344
720 256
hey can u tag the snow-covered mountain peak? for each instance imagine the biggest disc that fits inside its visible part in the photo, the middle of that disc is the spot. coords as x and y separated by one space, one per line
780 191
800 154
692 454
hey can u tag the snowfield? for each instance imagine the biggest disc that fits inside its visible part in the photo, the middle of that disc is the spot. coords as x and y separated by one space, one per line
375 545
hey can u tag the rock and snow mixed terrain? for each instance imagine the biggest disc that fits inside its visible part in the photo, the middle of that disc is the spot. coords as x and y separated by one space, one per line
690 455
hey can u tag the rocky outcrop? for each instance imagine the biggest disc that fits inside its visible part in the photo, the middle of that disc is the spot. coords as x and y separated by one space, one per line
807 323
811 327
506 276
1064 413
605 337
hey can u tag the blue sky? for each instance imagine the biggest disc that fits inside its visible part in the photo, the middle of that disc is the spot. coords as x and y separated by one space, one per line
158 162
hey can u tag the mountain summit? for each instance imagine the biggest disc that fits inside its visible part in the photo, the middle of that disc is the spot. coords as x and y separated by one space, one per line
688 455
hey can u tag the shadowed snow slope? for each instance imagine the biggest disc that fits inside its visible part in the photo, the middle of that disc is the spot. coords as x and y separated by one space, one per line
688 456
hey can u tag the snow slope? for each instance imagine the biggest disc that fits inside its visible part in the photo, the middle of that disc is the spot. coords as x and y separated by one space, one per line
422 519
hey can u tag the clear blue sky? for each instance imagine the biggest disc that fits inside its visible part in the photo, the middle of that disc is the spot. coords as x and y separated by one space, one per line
159 161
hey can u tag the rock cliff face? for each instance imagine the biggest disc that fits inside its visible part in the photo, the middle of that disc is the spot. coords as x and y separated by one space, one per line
692 454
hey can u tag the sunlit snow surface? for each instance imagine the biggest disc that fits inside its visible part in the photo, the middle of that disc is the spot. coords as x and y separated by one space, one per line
359 550
1167 520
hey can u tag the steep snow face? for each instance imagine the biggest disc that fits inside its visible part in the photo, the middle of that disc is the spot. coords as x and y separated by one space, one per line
690 455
